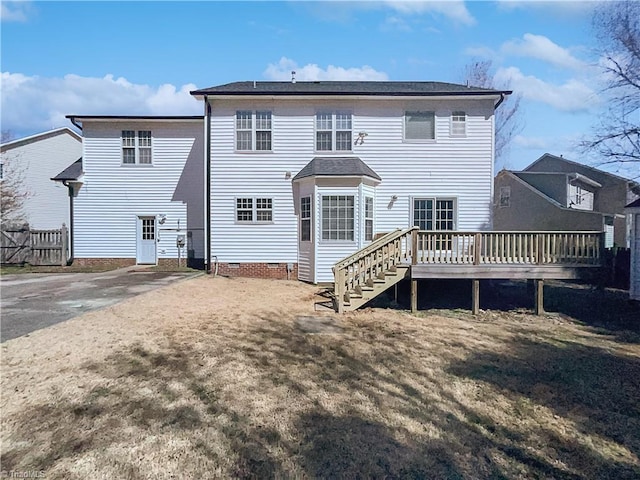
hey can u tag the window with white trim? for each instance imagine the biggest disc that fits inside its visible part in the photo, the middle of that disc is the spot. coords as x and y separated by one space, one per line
305 219
458 124
338 217
253 130
368 218
136 147
333 132
419 126
254 210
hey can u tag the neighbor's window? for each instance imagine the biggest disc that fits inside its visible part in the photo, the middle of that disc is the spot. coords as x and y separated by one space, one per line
338 217
368 218
459 124
333 132
419 126
505 197
253 130
136 147
254 210
305 219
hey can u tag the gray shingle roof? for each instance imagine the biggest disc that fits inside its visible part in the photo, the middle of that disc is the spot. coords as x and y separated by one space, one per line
346 88
72 172
336 166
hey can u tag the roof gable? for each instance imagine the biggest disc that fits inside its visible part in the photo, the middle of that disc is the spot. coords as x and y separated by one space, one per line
336 167
72 172
40 136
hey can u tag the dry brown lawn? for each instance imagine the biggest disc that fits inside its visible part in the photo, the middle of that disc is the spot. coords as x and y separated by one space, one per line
221 378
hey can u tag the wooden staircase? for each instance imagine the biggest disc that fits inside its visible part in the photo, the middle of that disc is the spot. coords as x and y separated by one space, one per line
370 271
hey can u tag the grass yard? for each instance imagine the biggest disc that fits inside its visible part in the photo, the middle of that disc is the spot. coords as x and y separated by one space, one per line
223 378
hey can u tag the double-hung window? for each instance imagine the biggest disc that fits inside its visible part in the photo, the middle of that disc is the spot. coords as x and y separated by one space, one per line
419 126
136 147
333 132
254 210
458 124
253 130
305 219
338 217
368 218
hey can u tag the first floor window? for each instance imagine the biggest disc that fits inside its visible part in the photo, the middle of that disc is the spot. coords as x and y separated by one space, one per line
253 130
434 214
338 217
305 219
419 126
368 218
254 210
136 147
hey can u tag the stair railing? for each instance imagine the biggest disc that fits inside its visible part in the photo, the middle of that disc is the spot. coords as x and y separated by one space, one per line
363 267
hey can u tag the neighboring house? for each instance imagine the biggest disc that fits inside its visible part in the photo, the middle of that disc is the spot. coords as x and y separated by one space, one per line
633 209
557 194
38 158
139 190
301 174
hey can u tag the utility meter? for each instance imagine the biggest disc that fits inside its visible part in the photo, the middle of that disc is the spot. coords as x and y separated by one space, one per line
180 241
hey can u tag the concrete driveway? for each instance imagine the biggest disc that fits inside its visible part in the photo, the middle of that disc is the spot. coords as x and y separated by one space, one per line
34 301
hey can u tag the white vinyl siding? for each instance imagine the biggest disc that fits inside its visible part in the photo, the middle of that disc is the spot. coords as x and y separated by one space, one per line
451 167
111 201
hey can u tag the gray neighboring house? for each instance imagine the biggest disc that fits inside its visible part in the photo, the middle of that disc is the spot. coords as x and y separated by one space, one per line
554 193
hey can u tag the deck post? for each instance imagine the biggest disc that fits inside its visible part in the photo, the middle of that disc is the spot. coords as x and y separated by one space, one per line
475 296
478 248
414 295
539 294
338 290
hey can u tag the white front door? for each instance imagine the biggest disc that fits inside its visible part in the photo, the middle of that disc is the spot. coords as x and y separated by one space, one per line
146 251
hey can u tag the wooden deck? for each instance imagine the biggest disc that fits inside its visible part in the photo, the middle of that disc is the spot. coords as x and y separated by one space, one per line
473 255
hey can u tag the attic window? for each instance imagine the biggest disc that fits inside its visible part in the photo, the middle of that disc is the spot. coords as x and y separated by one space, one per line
505 197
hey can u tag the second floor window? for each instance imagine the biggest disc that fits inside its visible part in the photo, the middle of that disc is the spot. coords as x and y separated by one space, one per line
458 124
333 132
419 126
253 130
136 147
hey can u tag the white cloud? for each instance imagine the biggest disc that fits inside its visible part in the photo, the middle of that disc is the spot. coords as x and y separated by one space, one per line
394 23
540 47
15 11
571 96
455 10
31 104
530 142
312 72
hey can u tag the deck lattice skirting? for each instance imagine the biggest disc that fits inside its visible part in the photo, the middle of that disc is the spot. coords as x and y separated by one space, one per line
474 255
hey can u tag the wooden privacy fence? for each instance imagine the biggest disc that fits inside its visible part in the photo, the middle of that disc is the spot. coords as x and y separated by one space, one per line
19 245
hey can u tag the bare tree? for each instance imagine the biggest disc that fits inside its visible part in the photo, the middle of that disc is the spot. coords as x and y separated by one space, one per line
508 120
616 137
13 191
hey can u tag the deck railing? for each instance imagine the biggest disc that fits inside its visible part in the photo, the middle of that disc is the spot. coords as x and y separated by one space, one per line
478 248
363 267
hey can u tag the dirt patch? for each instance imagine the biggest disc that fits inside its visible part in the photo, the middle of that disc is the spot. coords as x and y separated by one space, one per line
216 377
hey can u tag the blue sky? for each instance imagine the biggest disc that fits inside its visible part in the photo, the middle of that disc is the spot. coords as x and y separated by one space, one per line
142 58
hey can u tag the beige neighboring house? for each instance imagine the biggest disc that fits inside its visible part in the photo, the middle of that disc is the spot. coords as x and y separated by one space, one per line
554 193
39 158
633 209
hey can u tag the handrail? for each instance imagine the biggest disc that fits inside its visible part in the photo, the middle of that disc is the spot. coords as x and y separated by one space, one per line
389 237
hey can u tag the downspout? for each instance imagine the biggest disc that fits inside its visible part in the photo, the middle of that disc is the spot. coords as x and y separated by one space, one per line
78 126
207 182
502 97
70 188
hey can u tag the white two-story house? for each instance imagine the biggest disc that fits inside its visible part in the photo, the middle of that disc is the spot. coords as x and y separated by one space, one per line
282 179
301 174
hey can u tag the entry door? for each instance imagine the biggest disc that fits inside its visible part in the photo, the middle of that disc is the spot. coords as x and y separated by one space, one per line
146 240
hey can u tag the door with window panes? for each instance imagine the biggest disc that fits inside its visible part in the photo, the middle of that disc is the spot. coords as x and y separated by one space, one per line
147 236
